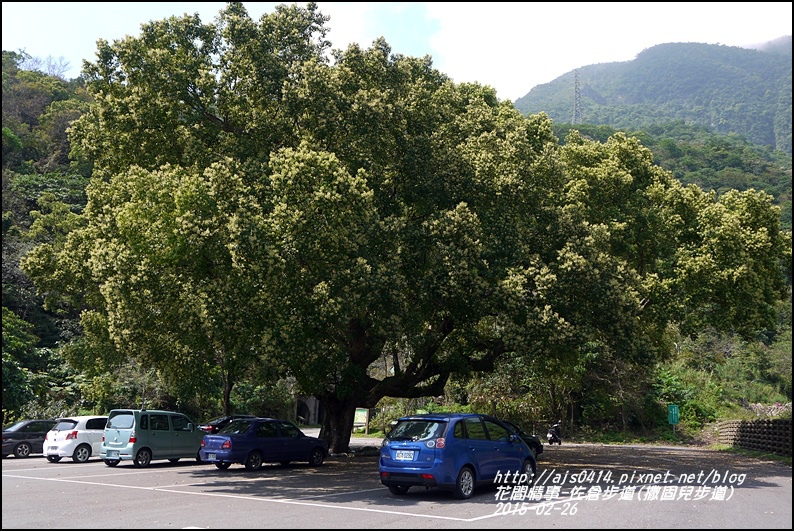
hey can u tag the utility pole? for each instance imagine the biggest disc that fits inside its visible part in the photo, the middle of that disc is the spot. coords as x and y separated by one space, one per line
577 110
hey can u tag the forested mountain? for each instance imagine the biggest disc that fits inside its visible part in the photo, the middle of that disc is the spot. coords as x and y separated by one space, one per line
726 89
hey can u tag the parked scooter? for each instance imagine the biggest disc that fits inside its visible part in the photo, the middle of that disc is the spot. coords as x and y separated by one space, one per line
555 433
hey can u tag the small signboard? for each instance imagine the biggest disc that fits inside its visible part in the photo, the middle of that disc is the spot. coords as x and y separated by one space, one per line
362 417
672 413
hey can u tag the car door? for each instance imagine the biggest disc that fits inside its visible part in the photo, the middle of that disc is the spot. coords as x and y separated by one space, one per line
35 432
185 443
160 436
508 454
269 442
294 446
481 448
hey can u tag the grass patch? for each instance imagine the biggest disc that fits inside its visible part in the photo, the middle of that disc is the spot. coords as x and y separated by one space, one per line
768 456
373 433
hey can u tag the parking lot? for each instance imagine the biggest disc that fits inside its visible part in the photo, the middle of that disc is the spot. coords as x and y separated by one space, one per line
345 493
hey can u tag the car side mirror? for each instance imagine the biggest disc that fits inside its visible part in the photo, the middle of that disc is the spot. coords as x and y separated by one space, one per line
513 437
189 426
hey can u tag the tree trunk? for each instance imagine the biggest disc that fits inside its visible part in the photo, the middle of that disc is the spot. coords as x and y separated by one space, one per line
227 393
338 423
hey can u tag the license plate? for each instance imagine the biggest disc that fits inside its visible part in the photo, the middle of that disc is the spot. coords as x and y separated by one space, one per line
53 448
404 455
210 457
113 453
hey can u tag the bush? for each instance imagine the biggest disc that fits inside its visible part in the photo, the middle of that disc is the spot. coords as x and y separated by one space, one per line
272 400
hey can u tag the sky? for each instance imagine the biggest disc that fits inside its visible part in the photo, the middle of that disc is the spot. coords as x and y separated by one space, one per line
510 46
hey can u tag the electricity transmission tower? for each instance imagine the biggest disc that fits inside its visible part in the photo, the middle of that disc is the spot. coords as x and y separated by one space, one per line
577 109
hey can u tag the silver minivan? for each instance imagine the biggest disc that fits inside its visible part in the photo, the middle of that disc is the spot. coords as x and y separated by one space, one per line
143 436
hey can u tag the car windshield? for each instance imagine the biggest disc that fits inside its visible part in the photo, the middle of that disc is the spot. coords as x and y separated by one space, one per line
417 430
65 424
122 420
237 426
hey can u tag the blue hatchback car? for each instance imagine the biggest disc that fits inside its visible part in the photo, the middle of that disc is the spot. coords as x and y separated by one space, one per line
454 451
254 441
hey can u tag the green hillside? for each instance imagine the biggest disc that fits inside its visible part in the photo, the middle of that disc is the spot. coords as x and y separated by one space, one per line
726 89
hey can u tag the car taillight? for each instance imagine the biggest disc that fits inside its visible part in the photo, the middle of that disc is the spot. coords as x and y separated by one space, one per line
440 443
202 443
47 437
133 437
226 445
71 435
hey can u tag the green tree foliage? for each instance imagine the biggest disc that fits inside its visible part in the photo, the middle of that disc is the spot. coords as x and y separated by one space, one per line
717 375
37 109
35 381
601 387
739 247
713 162
18 353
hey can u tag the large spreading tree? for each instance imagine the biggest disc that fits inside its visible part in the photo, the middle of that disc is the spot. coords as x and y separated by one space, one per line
361 222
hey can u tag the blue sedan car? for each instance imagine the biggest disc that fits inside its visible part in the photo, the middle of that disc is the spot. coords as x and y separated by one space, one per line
254 441
455 452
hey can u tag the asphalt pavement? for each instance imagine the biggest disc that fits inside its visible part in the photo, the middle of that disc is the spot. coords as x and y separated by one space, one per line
582 487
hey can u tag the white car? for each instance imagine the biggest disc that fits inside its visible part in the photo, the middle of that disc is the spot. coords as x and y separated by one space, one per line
78 437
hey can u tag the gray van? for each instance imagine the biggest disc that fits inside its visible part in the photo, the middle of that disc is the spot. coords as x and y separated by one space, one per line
144 435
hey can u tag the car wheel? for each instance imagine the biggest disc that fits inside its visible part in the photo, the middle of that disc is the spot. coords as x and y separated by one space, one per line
53 458
81 453
222 466
112 462
22 450
254 461
142 458
398 490
528 472
317 457
464 486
